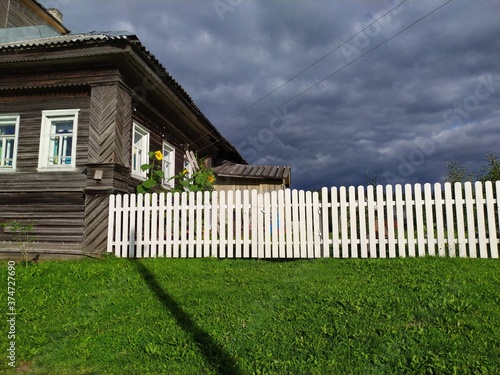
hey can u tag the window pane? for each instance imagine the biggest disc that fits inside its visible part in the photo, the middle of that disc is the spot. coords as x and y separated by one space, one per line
62 127
7 129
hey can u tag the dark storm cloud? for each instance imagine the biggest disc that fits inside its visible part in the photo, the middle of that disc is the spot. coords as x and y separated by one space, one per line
428 96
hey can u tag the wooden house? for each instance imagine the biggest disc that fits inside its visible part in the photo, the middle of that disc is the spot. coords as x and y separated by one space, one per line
78 115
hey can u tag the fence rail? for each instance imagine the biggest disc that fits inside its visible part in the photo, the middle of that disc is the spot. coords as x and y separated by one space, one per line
373 222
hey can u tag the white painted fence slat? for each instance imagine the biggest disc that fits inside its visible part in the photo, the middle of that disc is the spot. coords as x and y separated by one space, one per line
230 224
295 223
275 229
381 222
222 224
400 221
281 227
459 211
450 226
420 223
353 221
344 227
492 228
481 229
471 228
169 220
266 213
375 222
111 222
246 224
363 236
410 229
429 220
438 202
140 227
302 224
372 230
309 226
288 224
198 230
390 221
214 223
335 222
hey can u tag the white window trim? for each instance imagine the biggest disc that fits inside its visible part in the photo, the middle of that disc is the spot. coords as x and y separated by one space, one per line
47 117
13 118
142 175
167 182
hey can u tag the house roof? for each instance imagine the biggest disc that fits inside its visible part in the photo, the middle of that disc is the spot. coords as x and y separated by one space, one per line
22 51
229 169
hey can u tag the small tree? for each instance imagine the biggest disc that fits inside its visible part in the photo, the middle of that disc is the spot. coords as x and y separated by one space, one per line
21 234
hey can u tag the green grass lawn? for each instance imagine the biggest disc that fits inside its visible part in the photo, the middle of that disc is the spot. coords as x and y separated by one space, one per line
206 316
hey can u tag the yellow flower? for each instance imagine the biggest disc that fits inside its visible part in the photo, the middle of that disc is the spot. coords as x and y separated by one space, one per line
211 179
185 171
158 155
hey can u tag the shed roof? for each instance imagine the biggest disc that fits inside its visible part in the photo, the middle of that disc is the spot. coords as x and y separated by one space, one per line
229 169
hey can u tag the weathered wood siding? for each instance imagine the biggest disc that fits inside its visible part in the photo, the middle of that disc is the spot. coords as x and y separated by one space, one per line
53 201
19 13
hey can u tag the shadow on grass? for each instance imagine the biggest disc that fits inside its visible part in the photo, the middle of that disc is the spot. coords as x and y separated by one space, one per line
215 354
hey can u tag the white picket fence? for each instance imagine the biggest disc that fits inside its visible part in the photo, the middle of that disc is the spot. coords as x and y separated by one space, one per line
352 222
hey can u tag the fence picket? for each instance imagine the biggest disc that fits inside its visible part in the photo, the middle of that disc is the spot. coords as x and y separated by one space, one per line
281 224
230 224
353 230
459 210
169 220
400 220
199 225
429 220
481 229
471 228
295 223
335 222
344 226
410 228
492 229
373 222
450 227
390 222
438 203
420 223
382 235
266 213
222 224
246 224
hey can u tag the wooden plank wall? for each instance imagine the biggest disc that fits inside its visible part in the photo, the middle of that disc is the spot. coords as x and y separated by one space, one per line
52 201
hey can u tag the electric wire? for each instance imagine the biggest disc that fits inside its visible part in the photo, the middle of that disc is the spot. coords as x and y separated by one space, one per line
332 74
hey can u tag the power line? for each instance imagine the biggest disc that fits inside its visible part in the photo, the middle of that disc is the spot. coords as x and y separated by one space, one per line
335 72
301 72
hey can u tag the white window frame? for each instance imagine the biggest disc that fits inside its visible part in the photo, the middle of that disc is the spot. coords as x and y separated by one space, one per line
6 120
141 148
44 162
168 164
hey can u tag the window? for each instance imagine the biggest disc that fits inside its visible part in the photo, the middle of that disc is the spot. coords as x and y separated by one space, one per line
140 149
168 164
9 132
58 139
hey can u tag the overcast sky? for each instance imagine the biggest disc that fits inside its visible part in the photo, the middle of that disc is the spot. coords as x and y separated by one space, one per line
400 111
